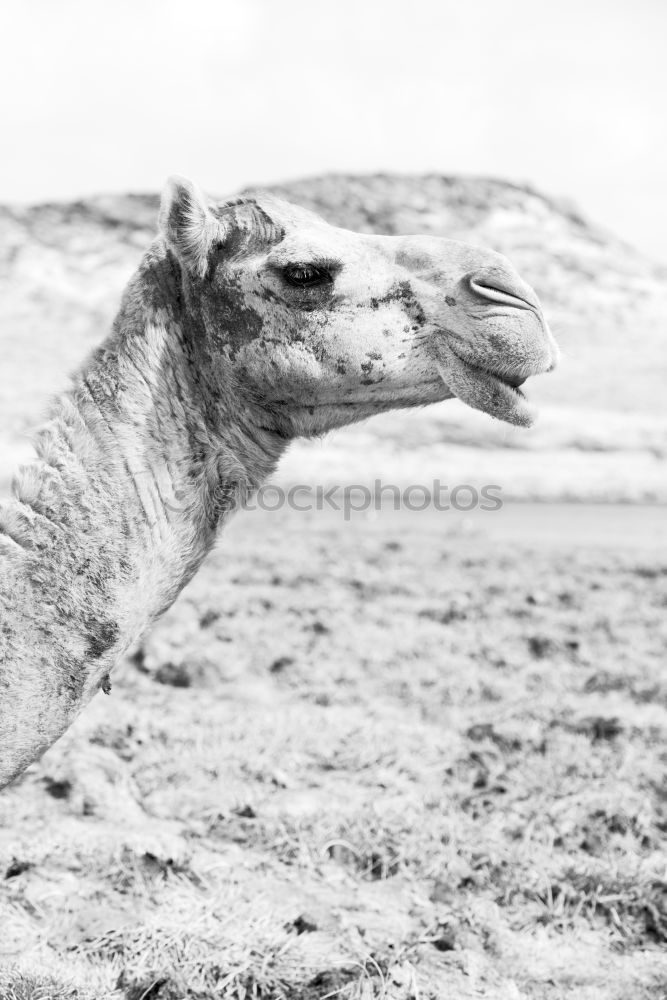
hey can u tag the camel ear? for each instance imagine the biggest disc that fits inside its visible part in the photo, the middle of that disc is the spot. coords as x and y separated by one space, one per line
187 224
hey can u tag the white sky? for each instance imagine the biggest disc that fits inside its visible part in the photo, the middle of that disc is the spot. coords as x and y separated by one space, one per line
102 96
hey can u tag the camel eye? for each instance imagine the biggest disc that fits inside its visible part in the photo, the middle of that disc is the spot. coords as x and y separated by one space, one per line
305 275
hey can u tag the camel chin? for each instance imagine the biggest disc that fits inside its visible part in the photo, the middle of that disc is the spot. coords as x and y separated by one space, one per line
484 390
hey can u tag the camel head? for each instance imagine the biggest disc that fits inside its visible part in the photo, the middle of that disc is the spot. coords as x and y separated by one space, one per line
319 326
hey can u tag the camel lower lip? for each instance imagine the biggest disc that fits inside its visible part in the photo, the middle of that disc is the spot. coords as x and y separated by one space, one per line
483 390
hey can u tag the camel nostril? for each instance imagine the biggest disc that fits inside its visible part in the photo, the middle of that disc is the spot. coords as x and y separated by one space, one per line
503 287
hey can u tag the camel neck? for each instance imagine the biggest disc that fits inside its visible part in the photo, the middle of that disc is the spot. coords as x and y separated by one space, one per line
138 466
151 433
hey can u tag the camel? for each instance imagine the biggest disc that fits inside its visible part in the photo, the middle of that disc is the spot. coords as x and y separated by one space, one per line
248 323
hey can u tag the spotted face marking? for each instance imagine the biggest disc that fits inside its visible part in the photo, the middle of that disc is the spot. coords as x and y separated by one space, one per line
404 293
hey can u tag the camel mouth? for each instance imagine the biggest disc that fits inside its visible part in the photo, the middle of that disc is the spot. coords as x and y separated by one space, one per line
492 392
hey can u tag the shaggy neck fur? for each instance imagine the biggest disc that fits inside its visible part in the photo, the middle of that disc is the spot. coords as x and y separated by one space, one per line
138 465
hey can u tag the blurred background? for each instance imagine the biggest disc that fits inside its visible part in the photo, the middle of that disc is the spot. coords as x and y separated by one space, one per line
413 754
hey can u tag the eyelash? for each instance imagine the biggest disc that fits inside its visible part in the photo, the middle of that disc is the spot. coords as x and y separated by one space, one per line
320 275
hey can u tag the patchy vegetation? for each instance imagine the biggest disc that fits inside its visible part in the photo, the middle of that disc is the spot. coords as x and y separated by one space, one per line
360 760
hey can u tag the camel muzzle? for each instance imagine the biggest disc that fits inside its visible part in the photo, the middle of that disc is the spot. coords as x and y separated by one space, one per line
493 338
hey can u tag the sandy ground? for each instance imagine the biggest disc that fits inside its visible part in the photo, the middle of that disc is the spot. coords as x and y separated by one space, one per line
406 756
